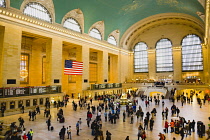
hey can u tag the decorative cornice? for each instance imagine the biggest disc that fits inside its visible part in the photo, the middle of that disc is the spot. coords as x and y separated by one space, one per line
16 18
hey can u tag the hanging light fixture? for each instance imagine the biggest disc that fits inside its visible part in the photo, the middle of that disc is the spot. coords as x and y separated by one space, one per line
24 71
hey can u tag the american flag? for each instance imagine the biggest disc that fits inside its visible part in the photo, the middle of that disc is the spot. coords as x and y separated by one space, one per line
73 67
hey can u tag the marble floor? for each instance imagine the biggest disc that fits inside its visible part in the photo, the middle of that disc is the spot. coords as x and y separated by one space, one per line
119 130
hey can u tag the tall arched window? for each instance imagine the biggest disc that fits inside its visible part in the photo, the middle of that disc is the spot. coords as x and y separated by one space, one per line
111 39
164 60
192 58
95 33
140 57
72 24
2 3
38 11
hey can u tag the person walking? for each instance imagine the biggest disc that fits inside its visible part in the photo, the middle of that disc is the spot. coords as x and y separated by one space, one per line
69 132
131 119
62 132
32 134
77 128
108 135
172 124
22 108
182 133
166 126
105 115
124 116
151 124
80 123
88 121
48 124
21 121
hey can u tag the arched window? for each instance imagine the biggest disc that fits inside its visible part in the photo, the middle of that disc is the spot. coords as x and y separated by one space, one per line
192 58
164 60
95 33
38 11
2 3
72 24
111 39
140 57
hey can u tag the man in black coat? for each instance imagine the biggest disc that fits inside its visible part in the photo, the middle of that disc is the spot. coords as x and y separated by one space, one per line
48 124
108 135
62 132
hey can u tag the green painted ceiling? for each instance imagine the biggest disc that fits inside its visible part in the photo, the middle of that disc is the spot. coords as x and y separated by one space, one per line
120 14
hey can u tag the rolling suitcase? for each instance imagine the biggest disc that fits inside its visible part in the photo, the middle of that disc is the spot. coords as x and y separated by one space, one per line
51 128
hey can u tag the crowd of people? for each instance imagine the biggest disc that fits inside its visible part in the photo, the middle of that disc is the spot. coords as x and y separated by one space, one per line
106 109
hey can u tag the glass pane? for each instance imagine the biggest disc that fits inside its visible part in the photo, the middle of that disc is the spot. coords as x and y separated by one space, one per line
112 40
140 57
192 58
95 34
38 11
164 60
72 24
2 3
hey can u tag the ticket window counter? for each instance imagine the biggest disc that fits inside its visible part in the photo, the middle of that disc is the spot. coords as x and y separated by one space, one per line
34 102
12 104
41 101
20 103
27 103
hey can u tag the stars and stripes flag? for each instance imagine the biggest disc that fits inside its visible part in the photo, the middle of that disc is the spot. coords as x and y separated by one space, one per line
73 67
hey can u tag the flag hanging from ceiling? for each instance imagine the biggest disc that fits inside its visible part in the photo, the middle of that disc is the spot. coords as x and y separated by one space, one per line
73 67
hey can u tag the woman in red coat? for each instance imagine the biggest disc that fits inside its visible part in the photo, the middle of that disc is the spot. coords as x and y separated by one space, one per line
25 137
166 126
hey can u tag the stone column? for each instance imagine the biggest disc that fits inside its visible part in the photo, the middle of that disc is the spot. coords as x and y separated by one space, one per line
31 102
7 105
35 67
54 61
10 50
152 64
102 67
38 99
16 104
114 69
177 61
82 55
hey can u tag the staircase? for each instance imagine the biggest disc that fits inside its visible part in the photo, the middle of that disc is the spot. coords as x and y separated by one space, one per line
155 91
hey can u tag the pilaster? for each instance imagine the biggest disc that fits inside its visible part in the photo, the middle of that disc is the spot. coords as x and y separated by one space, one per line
10 55
152 63
177 60
54 61
102 66
83 54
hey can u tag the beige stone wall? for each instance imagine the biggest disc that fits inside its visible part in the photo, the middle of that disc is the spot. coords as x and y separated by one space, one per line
174 32
125 66
11 49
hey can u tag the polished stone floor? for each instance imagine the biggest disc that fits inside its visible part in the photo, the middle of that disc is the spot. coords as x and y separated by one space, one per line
119 130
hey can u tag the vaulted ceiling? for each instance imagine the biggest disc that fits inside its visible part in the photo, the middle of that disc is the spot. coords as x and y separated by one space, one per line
119 14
